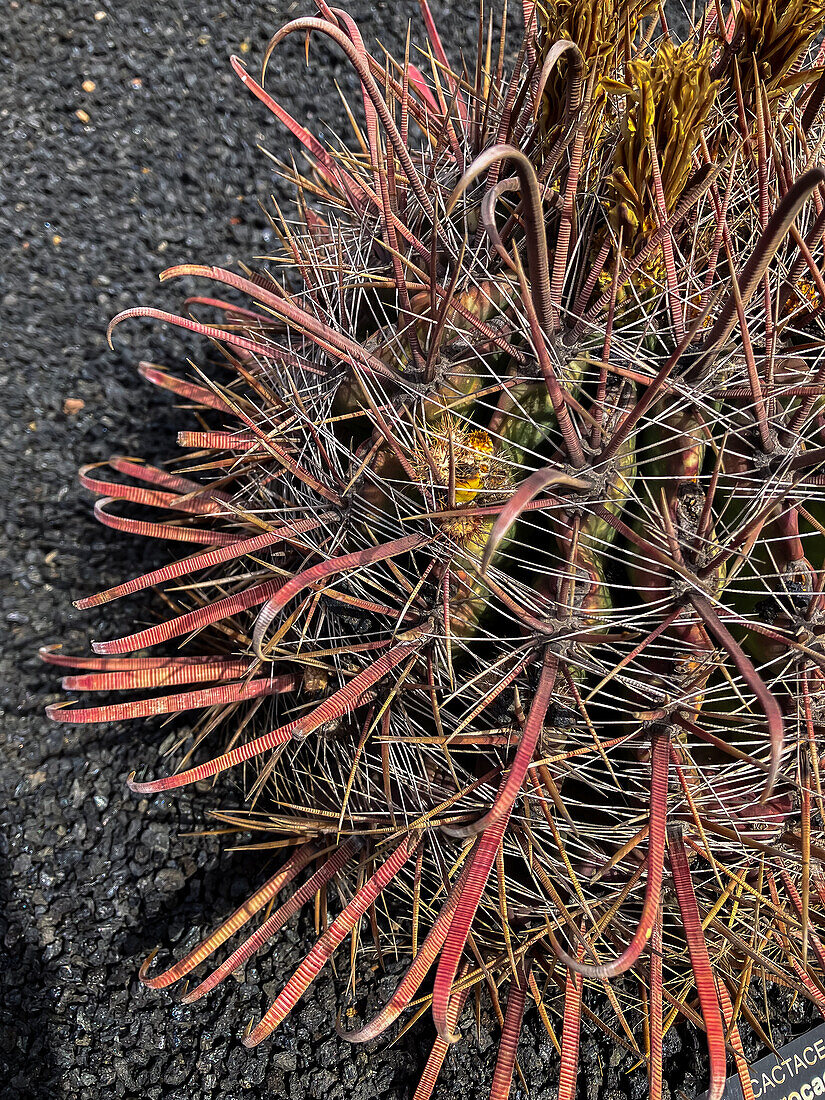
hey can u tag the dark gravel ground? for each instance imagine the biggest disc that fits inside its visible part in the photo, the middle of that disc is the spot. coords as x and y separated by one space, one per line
101 188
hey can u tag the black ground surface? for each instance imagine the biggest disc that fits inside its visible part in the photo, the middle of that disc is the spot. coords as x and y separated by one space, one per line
161 168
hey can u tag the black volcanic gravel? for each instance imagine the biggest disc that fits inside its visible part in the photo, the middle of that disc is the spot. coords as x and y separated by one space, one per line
101 188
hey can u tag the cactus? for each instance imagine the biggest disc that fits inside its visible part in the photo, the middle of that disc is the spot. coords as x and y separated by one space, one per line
504 570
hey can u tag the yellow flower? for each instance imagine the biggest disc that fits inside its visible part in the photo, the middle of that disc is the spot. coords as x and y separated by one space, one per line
596 26
776 35
669 96
477 468
600 29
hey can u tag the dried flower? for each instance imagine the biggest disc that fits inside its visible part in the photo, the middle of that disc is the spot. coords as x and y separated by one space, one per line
668 98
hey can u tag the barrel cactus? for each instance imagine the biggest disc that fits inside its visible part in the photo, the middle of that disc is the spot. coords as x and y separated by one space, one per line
503 536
